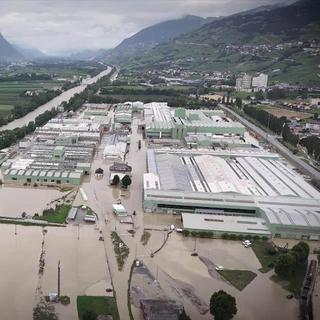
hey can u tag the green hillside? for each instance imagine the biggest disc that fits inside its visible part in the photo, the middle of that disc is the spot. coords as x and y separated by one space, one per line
280 38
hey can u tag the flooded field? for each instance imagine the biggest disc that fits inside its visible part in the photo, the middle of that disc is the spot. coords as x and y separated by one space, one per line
83 268
15 200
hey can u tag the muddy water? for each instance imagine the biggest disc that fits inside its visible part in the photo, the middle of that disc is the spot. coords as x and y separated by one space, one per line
55 102
19 270
177 269
83 268
15 200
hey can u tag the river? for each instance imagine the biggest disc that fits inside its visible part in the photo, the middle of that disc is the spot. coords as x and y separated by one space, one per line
55 102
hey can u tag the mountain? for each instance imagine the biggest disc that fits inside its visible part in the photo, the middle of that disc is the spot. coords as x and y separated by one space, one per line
257 41
88 54
7 52
31 53
151 36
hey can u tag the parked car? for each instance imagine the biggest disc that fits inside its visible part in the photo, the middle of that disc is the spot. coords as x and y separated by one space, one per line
247 243
219 268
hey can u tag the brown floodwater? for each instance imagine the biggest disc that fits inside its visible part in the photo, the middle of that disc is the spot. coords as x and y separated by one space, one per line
261 299
83 268
15 200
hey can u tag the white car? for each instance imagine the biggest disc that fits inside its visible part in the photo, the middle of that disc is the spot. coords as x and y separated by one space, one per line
247 243
219 268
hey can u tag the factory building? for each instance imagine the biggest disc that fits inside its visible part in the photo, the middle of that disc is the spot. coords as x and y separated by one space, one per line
123 114
232 186
163 122
60 153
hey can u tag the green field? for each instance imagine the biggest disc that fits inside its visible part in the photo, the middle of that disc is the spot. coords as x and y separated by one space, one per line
238 278
97 306
10 92
262 250
57 215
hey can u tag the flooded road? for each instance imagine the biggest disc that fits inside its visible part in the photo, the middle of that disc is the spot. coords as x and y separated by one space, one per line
55 102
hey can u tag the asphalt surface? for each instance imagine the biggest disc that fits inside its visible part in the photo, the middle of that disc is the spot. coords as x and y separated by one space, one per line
272 139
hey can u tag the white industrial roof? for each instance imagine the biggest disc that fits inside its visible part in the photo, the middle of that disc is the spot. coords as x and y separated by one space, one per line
225 223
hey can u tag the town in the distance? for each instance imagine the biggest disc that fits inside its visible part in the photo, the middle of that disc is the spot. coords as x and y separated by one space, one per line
175 175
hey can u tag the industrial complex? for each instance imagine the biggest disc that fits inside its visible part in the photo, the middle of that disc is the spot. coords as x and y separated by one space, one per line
200 164
251 192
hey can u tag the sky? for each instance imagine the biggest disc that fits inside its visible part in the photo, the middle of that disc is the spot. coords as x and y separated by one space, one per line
63 26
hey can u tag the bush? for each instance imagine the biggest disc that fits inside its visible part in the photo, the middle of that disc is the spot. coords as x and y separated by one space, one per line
185 232
264 238
233 237
225 236
240 237
271 251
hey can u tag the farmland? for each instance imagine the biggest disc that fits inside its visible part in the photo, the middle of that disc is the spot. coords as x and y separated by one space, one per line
15 80
287 113
11 92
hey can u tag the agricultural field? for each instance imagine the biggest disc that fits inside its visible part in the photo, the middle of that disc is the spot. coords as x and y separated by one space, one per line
11 92
287 113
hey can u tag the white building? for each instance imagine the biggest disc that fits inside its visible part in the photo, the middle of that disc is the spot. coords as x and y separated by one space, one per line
244 83
260 82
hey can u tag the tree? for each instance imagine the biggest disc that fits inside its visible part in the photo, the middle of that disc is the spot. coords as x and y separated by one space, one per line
259 95
238 102
285 265
126 181
315 116
302 251
115 180
222 305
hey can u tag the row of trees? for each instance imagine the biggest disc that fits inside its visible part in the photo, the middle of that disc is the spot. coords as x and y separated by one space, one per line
26 77
265 118
287 263
9 137
312 144
289 136
277 125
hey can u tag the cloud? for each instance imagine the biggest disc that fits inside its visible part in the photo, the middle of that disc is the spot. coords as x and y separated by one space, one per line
55 26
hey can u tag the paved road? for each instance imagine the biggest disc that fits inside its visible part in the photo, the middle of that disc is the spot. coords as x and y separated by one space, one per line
272 139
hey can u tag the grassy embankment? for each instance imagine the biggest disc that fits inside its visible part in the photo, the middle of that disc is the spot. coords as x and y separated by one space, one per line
97 306
262 250
238 278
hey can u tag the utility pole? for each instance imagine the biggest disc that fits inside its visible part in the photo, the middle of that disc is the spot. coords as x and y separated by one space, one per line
78 231
59 279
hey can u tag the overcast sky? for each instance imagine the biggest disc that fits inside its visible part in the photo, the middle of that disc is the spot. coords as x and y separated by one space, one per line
54 26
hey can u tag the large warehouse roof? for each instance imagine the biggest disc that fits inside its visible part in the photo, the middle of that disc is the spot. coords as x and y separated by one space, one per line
246 175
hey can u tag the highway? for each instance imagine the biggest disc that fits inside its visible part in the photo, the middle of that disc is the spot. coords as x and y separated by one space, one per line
272 139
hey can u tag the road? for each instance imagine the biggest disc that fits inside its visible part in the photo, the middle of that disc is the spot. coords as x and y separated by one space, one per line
101 197
272 139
